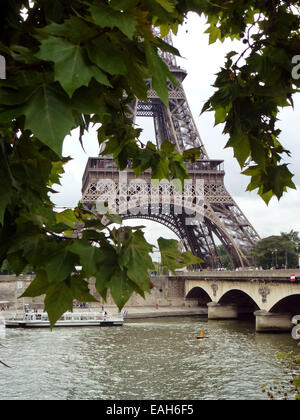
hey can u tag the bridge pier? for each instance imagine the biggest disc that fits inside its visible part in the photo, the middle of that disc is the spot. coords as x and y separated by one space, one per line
219 311
272 322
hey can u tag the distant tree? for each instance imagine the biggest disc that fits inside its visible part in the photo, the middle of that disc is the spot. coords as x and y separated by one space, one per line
5 268
291 236
224 258
278 250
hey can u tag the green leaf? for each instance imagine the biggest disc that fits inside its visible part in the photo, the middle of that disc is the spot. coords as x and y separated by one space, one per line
241 146
17 262
188 258
257 151
169 252
80 289
121 288
135 257
72 69
73 29
38 286
103 277
106 17
160 170
37 248
172 258
144 159
60 266
123 4
192 155
168 5
160 72
220 115
92 258
164 46
296 382
177 168
137 75
266 196
67 217
89 256
12 97
107 55
53 11
214 33
114 218
58 300
167 147
231 54
281 177
51 106
89 100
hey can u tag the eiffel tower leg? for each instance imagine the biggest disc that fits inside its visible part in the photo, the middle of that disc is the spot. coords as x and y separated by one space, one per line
200 239
215 225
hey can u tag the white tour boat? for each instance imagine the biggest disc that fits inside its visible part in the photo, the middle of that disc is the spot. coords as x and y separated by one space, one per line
69 319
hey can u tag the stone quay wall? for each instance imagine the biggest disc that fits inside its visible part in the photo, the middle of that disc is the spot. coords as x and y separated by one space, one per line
165 292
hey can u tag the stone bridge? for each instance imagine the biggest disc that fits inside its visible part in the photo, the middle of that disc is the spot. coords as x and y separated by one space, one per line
269 294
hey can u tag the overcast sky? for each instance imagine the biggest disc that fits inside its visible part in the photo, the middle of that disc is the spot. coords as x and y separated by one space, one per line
203 61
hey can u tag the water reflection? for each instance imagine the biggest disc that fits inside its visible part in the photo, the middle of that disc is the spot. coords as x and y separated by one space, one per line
153 359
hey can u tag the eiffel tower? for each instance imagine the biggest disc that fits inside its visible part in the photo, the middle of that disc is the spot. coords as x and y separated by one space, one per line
221 220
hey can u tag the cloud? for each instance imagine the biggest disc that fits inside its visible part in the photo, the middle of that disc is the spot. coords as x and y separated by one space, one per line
277 217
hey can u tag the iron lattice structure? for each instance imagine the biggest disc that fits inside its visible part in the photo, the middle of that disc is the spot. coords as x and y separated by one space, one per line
216 214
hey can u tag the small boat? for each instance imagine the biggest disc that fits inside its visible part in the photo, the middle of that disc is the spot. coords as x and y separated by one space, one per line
69 319
201 334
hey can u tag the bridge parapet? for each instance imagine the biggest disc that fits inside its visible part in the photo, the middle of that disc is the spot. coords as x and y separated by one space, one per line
255 275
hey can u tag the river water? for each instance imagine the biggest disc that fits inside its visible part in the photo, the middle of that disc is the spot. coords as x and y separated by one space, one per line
149 359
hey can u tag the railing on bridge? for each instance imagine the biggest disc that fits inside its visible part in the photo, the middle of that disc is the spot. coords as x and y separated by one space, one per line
244 275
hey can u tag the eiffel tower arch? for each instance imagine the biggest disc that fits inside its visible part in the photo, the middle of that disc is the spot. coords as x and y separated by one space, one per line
216 216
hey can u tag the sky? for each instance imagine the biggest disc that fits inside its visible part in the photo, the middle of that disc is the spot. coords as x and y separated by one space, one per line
202 61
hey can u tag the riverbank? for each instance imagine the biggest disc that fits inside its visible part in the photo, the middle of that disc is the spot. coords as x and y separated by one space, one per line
163 311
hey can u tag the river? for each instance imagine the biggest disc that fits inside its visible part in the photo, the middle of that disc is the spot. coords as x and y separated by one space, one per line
144 359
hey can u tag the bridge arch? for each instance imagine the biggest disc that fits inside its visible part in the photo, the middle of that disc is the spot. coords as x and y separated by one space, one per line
197 296
289 304
246 304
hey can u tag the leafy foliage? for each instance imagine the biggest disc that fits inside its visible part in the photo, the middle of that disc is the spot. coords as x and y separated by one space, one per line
278 250
252 87
224 258
290 389
172 257
74 63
